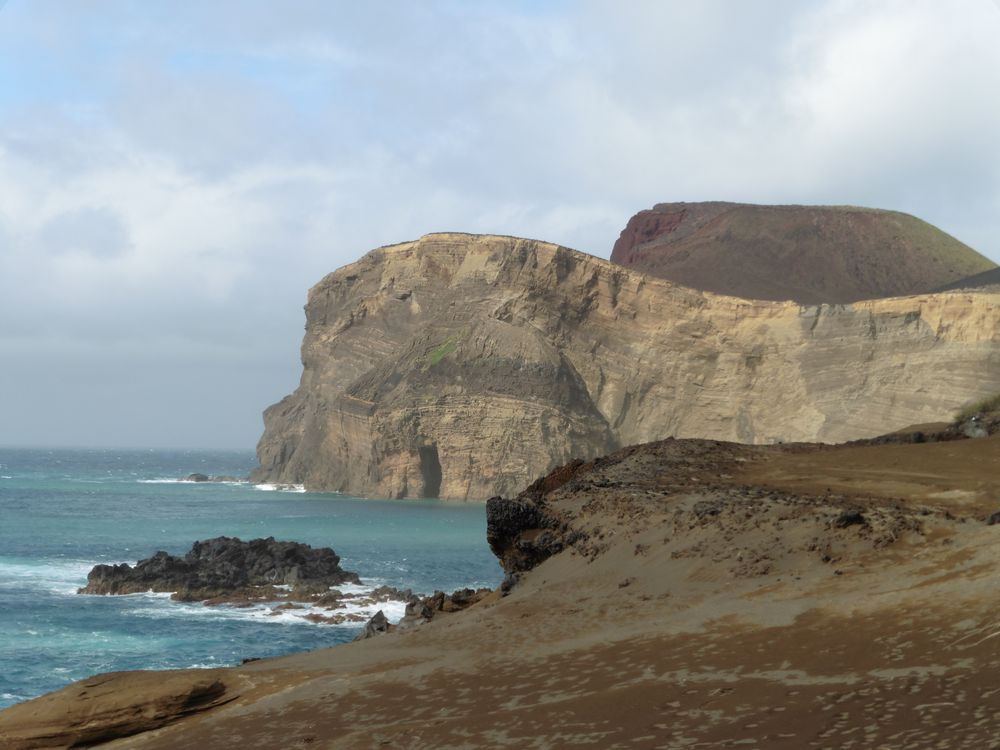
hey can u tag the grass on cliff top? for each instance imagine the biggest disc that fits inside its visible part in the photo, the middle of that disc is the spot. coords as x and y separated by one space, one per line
440 352
988 404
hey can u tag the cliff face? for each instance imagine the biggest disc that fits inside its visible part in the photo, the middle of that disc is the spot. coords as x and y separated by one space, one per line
462 366
809 254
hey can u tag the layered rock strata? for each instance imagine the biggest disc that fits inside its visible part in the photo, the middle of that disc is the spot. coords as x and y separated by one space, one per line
463 366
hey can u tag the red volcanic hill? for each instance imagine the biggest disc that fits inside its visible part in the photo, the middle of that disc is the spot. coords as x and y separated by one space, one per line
810 254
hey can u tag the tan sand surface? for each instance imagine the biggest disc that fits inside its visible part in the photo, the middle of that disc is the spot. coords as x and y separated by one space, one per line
710 595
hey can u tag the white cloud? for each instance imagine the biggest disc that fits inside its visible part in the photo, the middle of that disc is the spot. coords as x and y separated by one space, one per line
176 180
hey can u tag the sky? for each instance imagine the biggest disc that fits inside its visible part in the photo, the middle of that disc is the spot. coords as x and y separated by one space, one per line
174 176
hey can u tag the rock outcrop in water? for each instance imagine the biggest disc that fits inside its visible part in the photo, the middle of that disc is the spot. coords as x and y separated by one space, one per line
224 567
463 366
810 254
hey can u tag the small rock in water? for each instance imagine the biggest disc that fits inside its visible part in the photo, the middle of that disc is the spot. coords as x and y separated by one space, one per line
197 478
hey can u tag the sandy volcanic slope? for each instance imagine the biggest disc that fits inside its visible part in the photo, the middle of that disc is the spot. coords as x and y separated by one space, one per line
709 598
811 254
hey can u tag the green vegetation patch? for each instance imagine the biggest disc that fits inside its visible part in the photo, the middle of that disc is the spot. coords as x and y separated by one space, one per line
988 404
442 351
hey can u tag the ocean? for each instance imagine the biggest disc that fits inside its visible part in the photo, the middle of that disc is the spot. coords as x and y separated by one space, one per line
64 511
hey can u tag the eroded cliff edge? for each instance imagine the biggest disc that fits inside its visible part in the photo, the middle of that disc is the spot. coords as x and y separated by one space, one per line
464 366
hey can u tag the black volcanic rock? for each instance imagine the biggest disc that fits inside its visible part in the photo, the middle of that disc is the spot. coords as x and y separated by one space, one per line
223 566
850 518
377 625
521 534
420 610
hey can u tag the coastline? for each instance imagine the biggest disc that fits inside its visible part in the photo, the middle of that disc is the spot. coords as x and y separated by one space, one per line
687 591
65 511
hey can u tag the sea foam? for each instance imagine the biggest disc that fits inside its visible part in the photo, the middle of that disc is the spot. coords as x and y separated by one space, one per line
55 577
267 487
160 606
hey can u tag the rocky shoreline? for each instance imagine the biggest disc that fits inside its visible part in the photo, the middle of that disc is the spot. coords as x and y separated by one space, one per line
676 593
227 571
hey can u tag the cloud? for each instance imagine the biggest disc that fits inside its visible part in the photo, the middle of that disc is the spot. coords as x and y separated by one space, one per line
94 232
173 178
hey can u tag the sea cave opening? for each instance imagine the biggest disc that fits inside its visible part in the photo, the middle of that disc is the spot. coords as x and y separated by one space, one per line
430 471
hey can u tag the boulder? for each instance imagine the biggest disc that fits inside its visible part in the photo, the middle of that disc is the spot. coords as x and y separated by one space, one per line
850 518
377 625
112 706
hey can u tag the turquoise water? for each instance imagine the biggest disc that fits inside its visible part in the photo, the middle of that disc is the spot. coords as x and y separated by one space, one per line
63 511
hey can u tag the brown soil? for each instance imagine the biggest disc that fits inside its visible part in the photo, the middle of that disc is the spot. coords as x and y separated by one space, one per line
810 254
709 595
986 279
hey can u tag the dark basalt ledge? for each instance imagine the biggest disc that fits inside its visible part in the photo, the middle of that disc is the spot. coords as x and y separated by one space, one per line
522 532
226 567
229 571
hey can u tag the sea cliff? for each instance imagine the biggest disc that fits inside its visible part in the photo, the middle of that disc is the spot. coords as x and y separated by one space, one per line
464 366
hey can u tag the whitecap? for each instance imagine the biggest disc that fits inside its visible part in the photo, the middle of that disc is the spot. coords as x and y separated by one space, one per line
57 577
268 487
5 476
174 480
267 612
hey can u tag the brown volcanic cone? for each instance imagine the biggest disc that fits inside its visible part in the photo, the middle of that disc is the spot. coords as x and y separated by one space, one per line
810 254
982 280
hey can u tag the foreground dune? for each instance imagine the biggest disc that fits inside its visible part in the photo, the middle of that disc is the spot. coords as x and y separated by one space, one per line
677 594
